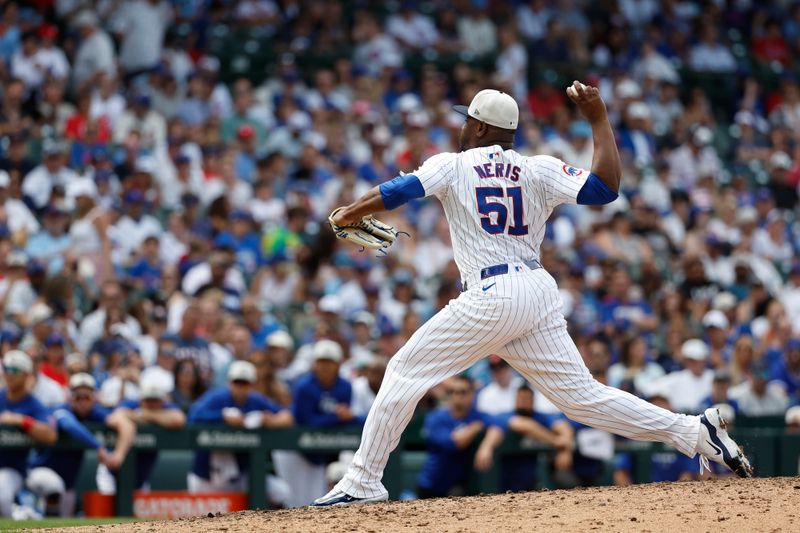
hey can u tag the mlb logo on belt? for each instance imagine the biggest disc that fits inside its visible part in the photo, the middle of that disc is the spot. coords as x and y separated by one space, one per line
571 171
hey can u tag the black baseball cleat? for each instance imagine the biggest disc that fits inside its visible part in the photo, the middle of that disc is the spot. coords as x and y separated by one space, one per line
337 498
716 445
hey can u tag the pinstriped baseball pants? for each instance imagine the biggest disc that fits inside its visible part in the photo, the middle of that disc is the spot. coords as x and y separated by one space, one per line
518 317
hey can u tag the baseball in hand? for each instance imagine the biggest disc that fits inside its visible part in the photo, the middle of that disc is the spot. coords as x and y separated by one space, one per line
588 99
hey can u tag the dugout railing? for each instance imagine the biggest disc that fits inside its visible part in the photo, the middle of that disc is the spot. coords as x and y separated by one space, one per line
773 450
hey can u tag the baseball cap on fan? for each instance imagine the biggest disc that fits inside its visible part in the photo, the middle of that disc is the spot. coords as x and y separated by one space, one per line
493 107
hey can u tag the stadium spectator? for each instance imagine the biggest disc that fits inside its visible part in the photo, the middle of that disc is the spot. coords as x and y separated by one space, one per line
20 409
500 395
95 53
720 392
235 405
82 407
685 389
756 397
189 384
634 372
366 387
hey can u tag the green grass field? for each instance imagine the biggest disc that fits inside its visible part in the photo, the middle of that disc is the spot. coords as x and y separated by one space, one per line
6 524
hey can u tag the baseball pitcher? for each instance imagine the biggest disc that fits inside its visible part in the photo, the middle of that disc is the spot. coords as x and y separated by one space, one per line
496 202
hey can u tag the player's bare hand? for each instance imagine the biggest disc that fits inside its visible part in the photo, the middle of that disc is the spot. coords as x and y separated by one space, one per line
233 417
341 218
588 100
344 413
563 460
563 442
484 458
114 461
11 419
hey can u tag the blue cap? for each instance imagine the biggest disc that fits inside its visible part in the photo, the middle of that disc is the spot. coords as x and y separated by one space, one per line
134 196
182 159
189 199
52 210
763 194
240 214
403 277
54 339
225 241
10 333
103 174
141 99
100 153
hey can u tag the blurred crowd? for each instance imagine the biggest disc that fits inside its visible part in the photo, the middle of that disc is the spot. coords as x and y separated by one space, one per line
163 214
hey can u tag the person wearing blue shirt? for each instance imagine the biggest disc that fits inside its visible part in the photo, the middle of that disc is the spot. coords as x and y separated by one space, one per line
152 408
48 245
664 466
450 431
145 272
786 371
70 419
244 240
236 405
719 392
19 409
321 399
519 473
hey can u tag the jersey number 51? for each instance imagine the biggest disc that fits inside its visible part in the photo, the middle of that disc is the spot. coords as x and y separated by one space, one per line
486 208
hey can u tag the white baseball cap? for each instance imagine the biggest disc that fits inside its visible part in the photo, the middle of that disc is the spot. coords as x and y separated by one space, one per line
694 349
493 107
18 360
328 349
242 371
82 379
152 390
715 319
280 339
5 179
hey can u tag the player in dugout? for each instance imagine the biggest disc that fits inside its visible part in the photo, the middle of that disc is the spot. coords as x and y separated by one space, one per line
152 408
54 465
20 409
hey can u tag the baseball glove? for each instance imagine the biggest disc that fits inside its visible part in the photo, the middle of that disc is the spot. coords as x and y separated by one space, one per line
369 233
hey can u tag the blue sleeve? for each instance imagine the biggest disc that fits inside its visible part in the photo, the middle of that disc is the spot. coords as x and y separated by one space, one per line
596 192
401 190
499 421
263 403
40 412
208 408
304 410
129 404
98 414
623 461
70 425
438 435
548 420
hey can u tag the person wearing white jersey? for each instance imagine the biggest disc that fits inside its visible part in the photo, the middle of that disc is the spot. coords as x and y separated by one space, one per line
497 202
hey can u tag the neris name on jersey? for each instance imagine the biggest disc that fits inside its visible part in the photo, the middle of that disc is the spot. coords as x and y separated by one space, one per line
498 170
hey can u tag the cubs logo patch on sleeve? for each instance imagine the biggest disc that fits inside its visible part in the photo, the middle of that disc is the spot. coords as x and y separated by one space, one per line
571 171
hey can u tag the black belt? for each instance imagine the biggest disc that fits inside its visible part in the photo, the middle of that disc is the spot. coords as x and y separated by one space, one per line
498 270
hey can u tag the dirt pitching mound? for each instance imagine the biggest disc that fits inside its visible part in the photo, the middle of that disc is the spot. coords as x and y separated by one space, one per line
771 504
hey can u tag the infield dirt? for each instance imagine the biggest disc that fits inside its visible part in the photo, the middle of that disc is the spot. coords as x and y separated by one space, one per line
770 504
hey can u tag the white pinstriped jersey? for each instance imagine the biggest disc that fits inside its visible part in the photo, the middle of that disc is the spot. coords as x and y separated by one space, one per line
497 201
